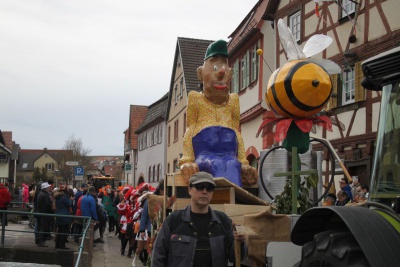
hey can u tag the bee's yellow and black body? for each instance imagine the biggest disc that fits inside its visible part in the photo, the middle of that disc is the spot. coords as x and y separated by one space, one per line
300 88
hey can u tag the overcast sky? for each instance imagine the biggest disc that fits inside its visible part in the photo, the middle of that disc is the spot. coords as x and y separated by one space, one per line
74 67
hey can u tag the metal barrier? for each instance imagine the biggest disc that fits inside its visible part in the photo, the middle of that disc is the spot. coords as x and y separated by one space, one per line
86 221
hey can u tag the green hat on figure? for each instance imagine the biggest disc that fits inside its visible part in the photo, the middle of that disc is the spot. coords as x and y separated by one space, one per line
217 48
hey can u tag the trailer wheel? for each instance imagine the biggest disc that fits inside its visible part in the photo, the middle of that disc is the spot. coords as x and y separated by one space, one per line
333 248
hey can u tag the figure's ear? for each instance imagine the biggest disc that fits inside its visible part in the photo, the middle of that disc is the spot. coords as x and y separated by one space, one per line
190 190
200 73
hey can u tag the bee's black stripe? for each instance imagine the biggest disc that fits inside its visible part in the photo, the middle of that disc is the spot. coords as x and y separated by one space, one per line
289 91
278 103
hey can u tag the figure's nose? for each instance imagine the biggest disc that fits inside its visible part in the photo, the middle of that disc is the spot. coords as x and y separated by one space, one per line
221 72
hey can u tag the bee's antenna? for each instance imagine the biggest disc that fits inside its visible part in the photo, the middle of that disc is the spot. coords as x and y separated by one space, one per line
260 53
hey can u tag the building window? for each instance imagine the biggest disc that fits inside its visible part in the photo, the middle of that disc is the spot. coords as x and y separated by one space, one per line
176 94
49 166
176 130
235 78
348 7
244 71
154 173
294 25
159 134
155 135
254 64
168 168
4 159
181 88
152 137
145 140
159 176
176 166
169 135
348 88
149 175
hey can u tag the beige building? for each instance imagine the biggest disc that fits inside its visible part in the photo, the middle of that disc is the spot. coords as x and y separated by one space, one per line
189 55
52 160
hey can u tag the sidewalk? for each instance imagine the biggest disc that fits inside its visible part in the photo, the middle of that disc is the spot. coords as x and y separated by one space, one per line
108 254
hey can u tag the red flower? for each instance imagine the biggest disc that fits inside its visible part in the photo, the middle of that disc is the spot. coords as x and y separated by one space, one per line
283 124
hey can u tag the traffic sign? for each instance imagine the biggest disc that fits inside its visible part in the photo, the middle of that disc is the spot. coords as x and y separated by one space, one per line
71 163
78 172
128 168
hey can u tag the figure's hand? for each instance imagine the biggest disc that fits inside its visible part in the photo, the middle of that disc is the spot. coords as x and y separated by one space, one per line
238 236
188 169
249 175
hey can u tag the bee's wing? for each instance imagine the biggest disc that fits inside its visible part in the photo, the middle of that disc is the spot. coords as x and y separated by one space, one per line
288 42
338 123
330 66
317 43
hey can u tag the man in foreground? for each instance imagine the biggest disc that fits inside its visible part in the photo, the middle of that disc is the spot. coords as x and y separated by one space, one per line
197 235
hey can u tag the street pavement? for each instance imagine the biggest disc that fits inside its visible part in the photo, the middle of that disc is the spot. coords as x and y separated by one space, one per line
108 254
105 254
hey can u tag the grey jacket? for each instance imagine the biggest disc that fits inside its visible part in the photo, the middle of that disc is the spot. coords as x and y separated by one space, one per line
176 242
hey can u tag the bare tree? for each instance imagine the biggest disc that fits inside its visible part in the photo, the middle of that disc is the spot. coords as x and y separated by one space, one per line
79 154
76 145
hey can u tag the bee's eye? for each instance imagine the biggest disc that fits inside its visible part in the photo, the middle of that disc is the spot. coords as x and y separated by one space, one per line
215 67
315 83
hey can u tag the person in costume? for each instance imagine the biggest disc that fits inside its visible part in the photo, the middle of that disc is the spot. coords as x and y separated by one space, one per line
212 142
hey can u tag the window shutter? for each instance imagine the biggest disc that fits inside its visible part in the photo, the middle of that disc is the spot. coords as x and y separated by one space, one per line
359 90
334 97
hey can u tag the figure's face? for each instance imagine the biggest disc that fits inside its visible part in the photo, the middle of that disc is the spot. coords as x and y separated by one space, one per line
340 198
200 198
216 76
360 194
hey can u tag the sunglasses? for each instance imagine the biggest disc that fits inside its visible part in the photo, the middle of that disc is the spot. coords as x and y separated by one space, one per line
200 187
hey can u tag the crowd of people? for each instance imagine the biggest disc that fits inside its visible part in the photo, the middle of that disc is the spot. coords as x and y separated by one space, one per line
123 209
350 194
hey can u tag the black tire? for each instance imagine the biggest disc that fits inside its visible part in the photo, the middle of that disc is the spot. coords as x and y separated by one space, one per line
333 248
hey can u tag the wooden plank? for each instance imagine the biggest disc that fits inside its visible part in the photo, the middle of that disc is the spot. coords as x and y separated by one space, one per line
240 210
242 196
236 212
223 195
